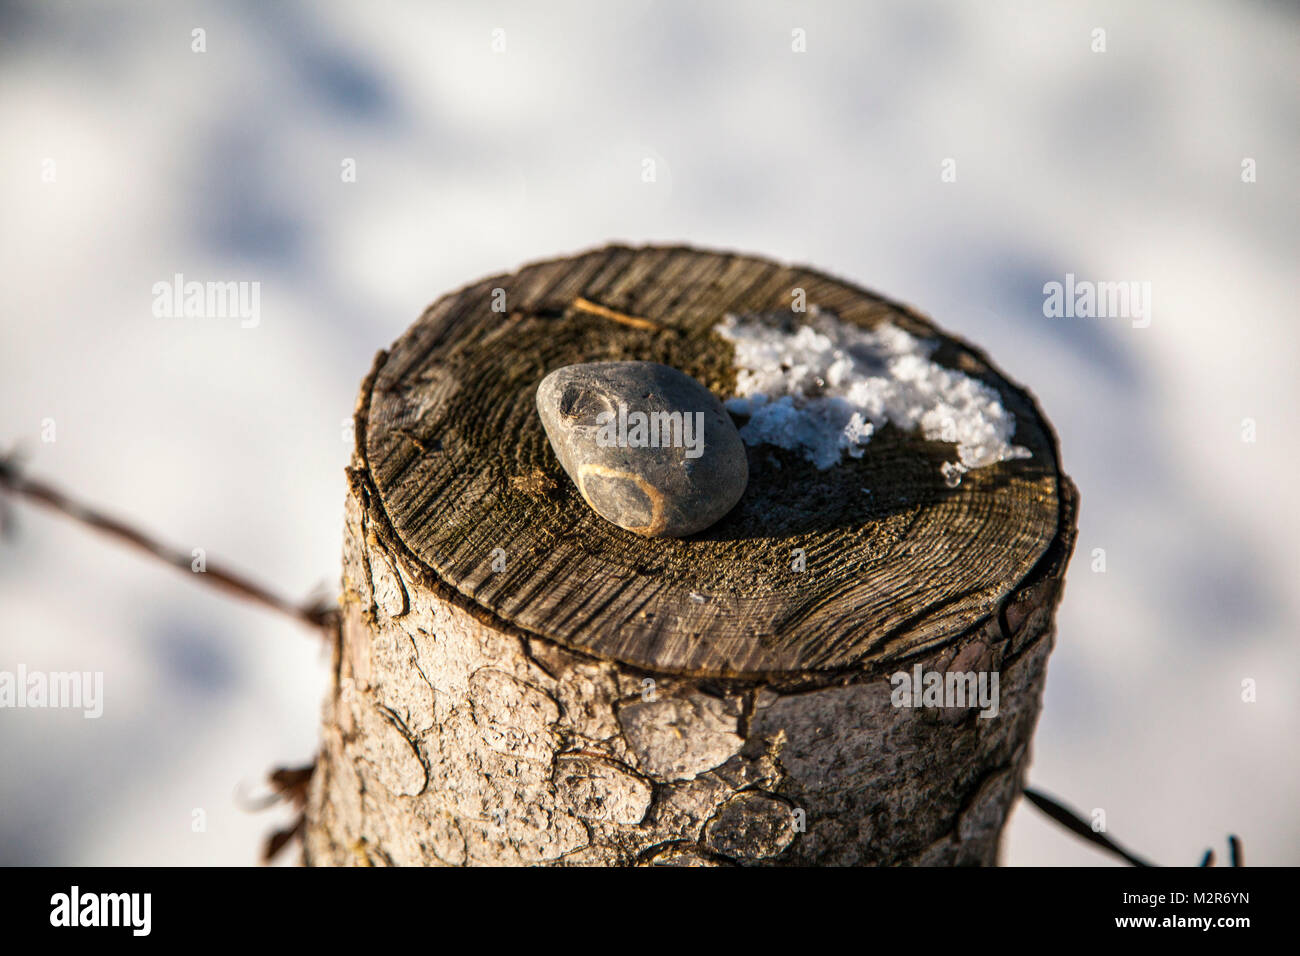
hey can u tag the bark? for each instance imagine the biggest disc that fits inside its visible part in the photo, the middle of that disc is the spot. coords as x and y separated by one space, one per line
586 696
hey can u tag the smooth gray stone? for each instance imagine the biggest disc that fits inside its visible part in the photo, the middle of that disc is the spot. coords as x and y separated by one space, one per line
696 474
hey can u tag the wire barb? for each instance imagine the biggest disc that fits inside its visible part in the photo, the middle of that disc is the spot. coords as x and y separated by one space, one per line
1077 825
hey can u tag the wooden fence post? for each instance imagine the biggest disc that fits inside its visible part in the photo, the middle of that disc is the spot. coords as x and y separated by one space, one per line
521 682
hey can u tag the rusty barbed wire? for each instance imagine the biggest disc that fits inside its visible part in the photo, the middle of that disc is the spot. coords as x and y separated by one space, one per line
290 784
318 614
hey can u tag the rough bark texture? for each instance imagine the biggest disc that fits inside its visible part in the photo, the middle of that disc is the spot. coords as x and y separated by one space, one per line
587 696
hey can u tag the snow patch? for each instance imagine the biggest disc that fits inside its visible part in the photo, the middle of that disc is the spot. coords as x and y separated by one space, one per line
829 385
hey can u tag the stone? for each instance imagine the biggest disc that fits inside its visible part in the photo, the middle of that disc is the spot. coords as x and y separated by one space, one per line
649 447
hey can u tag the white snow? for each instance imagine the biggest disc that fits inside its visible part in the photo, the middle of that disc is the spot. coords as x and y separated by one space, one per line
829 385
1149 419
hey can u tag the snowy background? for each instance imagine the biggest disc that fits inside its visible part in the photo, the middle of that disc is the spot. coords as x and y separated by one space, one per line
226 165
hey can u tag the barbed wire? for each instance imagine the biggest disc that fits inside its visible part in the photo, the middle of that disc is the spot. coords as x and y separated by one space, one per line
290 784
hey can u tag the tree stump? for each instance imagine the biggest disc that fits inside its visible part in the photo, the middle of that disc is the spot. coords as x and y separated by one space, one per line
520 682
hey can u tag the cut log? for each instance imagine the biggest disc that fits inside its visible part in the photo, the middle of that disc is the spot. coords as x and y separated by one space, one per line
521 682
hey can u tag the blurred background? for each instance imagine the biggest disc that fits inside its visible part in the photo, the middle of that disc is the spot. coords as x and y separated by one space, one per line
482 137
